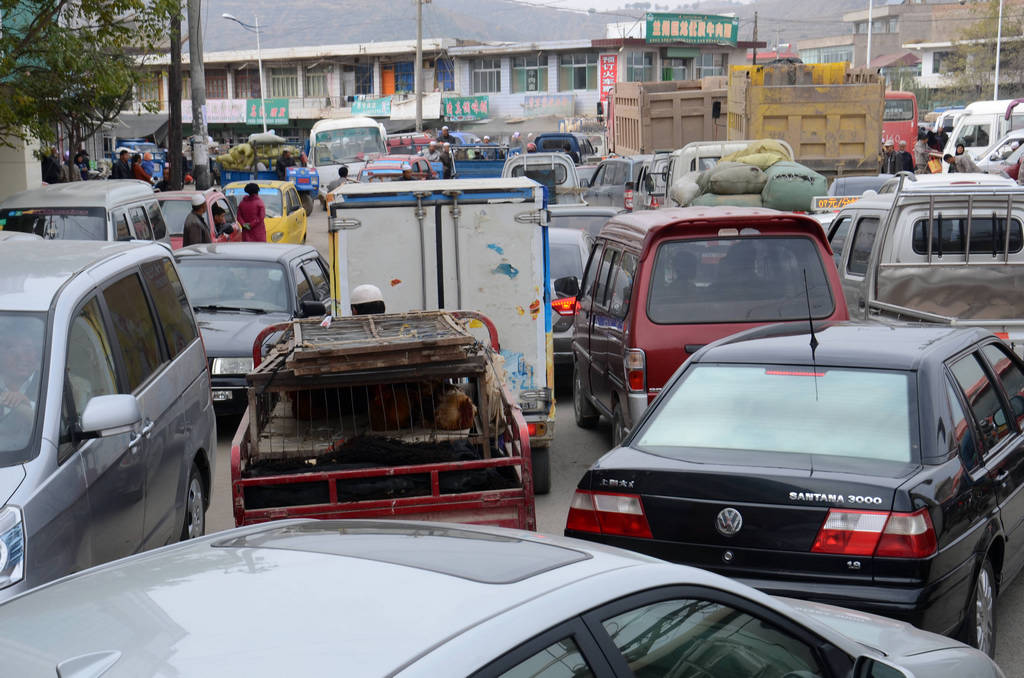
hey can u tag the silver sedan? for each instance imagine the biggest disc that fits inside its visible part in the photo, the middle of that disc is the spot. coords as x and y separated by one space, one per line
401 598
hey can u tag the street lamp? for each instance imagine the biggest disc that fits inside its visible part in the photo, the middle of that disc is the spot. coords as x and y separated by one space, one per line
259 58
999 45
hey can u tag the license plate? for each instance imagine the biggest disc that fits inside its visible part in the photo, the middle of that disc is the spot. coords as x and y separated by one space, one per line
221 396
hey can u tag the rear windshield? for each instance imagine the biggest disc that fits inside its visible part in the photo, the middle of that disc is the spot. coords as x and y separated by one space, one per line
866 414
57 223
898 109
271 198
566 261
739 280
949 234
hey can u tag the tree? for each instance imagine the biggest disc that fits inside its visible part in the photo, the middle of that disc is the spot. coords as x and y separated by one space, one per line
971 66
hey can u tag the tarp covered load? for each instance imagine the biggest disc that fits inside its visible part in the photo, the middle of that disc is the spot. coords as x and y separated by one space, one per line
732 178
792 187
761 154
246 155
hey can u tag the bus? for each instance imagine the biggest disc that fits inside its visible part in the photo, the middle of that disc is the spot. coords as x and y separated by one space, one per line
899 118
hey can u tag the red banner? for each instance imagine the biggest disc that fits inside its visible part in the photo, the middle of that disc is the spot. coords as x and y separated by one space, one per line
607 74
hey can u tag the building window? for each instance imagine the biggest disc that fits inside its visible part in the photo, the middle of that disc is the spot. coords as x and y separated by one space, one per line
315 83
894 24
247 84
712 64
861 27
444 74
216 84
530 74
284 82
405 76
150 89
639 66
364 78
675 68
942 62
486 76
577 71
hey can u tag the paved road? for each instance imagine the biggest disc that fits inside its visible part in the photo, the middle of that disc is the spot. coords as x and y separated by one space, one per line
575 449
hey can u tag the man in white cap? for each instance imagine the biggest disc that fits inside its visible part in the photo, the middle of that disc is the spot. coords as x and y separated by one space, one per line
446 137
890 161
366 299
517 141
196 231
407 172
431 152
447 161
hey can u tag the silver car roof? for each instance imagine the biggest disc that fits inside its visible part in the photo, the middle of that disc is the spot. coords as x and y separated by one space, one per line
33 271
80 194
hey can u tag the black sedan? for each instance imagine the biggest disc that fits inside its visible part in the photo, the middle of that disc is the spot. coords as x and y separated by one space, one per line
236 290
881 470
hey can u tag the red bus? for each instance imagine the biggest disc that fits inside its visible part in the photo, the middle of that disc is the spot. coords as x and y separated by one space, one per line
899 118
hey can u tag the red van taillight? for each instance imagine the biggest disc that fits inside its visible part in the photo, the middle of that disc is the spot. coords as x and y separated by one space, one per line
636 369
877 533
565 306
607 513
627 199
654 203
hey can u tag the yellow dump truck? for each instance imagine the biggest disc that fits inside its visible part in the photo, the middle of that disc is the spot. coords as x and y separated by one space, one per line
829 113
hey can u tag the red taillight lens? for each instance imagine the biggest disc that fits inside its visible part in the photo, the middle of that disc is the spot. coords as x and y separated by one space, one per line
531 429
565 306
636 369
655 204
876 533
627 200
606 513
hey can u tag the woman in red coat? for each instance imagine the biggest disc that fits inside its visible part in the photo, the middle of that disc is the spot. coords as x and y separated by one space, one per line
251 213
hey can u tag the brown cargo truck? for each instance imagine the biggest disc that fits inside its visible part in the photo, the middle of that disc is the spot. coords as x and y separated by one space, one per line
650 116
830 114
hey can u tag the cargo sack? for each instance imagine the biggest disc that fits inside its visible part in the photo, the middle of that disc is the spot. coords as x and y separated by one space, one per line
684 191
713 200
762 154
791 187
732 178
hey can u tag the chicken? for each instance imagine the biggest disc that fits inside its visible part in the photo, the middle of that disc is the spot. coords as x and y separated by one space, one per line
455 411
390 408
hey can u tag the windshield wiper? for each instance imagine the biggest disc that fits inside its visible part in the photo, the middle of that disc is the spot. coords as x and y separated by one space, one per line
240 309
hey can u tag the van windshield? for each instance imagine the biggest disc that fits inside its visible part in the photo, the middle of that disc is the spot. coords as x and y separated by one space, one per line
741 280
57 223
335 146
21 365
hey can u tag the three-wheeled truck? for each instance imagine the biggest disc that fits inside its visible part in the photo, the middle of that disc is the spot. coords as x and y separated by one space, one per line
242 164
404 415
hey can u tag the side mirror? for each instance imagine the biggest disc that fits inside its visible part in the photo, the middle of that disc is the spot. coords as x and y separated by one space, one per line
994 157
569 286
869 667
630 186
311 308
110 415
649 183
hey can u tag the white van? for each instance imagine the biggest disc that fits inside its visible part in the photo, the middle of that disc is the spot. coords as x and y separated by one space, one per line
981 124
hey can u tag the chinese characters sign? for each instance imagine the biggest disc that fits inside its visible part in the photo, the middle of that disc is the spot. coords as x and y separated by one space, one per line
455 109
377 108
608 73
217 111
560 105
276 111
832 203
694 28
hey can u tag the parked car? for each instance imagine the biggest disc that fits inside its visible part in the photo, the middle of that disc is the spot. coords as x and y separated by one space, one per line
875 467
1004 156
589 218
681 278
389 168
107 430
651 186
570 249
615 180
176 205
121 209
500 602
236 290
286 217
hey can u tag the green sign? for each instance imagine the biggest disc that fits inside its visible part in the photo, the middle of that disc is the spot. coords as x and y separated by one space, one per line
693 28
276 111
456 109
377 108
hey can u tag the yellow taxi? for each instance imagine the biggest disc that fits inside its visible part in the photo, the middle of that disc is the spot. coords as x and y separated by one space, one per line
286 218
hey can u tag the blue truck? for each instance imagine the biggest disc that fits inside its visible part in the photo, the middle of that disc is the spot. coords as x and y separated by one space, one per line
481 161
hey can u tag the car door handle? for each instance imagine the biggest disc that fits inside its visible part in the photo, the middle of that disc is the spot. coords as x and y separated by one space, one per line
137 438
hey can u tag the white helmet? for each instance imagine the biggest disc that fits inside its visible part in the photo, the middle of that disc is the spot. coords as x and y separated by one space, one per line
364 294
198 199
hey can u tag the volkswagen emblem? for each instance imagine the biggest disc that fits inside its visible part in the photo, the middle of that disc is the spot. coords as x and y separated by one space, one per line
728 522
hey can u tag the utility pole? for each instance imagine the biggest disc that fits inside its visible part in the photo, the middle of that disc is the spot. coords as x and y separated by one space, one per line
174 155
417 71
200 148
755 39
871 7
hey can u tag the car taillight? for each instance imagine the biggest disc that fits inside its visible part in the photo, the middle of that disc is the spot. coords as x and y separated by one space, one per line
876 533
655 204
607 513
636 369
565 306
627 199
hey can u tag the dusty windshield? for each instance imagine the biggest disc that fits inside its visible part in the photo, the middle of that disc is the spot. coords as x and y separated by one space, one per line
335 146
253 286
21 364
57 223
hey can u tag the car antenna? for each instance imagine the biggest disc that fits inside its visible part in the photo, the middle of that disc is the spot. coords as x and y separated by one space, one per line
814 339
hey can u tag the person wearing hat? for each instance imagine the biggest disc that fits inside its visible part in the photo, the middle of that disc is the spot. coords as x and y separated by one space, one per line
366 299
517 142
446 137
431 152
447 161
196 231
407 172
906 161
890 161
251 215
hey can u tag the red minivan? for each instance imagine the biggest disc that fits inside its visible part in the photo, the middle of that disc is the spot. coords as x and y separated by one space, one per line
661 284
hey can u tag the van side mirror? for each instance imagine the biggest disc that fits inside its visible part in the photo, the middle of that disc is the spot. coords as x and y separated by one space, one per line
870 667
311 308
110 415
569 286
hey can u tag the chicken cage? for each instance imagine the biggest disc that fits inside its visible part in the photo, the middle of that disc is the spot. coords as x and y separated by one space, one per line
381 415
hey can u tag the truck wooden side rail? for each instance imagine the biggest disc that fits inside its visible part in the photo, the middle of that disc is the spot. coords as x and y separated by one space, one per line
404 415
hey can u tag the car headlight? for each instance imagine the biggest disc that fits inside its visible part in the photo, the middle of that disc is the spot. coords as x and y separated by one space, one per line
276 236
12 546
231 366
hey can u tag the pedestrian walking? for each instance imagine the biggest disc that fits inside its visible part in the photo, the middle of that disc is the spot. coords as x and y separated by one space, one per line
921 156
82 163
51 167
138 172
251 215
122 168
906 160
890 162
196 230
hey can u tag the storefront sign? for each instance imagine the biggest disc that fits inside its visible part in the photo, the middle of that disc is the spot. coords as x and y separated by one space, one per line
456 109
276 111
375 108
559 105
694 28
217 111
608 73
